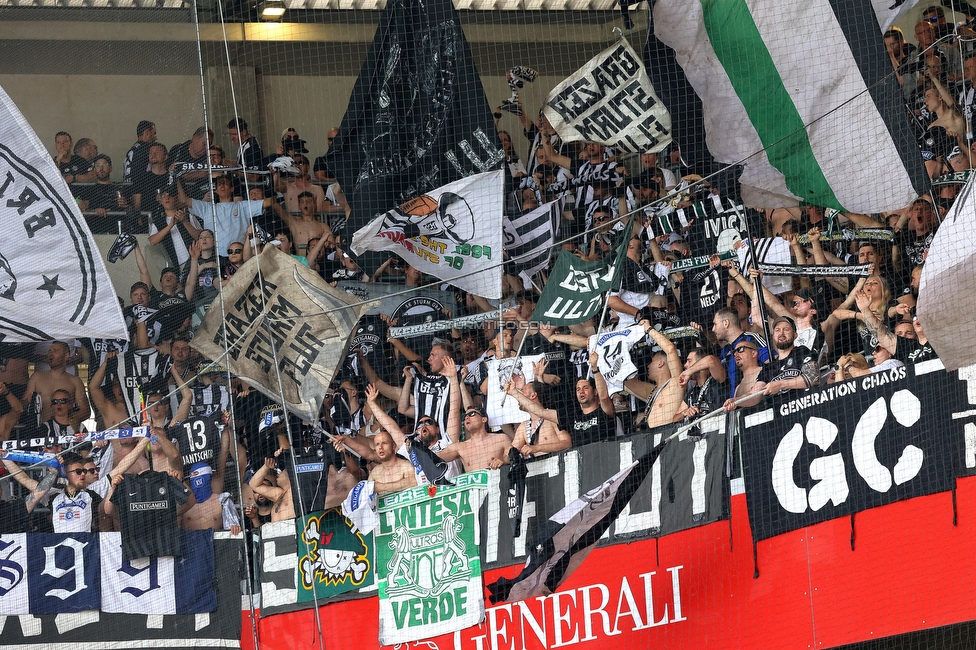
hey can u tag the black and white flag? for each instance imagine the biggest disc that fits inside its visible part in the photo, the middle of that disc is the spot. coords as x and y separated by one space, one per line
567 538
610 100
529 237
53 282
288 315
418 117
452 233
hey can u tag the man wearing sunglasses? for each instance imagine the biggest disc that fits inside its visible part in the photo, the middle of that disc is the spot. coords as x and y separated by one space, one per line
746 355
59 425
794 367
480 449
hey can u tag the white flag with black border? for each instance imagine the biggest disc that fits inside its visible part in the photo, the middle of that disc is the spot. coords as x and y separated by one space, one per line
610 100
53 283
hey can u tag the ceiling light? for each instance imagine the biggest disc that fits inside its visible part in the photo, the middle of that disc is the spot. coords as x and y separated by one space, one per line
271 9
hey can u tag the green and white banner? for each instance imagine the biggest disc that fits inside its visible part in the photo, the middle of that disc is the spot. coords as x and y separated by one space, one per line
819 120
576 288
428 564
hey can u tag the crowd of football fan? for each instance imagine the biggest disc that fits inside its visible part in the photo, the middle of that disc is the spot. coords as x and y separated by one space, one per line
693 341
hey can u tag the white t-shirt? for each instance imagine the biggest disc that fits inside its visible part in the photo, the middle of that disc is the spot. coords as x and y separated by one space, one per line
613 352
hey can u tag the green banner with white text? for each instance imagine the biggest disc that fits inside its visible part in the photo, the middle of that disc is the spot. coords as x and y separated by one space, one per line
428 565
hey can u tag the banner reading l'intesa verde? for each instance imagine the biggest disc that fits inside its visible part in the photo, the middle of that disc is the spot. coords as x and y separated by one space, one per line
428 565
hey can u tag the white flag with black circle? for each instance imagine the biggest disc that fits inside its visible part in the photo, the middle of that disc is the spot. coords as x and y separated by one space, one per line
53 283
453 233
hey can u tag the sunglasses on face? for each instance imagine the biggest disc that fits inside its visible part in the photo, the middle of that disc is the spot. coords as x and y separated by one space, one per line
472 414
426 422
82 472
743 348
233 251
61 400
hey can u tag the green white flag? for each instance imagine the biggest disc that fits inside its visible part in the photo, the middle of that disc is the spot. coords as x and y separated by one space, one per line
576 289
819 119
428 565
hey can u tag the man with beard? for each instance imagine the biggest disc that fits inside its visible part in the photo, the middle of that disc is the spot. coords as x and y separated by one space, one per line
793 367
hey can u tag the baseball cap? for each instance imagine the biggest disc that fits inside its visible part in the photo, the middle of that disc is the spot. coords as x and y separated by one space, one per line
170 269
785 319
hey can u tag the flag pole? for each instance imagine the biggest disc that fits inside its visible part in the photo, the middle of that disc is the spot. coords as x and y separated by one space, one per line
758 284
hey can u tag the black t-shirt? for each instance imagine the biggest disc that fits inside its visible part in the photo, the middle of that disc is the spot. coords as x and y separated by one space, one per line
638 279
789 368
148 186
251 155
100 195
912 246
76 166
585 428
195 188
911 351
701 294
136 161
322 165
707 397
147 506
198 439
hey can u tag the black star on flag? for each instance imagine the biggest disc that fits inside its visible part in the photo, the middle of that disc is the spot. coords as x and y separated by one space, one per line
50 285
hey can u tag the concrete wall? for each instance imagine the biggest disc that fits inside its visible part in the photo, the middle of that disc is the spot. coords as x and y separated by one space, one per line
107 108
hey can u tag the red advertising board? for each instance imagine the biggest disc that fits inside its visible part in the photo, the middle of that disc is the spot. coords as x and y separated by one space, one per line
910 569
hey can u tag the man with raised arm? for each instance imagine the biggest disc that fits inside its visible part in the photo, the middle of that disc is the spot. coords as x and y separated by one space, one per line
664 392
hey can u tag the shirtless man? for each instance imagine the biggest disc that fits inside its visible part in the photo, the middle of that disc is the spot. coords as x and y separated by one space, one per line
278 491
208 491
393 473
428 431
45 382
480 449
665 393
306 226
746 354
538 436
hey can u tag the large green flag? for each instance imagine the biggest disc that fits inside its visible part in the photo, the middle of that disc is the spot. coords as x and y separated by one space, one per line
576 289
428 566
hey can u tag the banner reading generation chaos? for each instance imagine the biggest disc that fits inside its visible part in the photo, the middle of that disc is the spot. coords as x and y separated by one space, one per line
804 463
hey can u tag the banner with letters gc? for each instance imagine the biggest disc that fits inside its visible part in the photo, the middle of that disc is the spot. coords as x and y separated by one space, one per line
815 455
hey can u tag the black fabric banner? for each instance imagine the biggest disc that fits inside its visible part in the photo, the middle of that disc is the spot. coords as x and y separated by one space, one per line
684 489
417 119
816 455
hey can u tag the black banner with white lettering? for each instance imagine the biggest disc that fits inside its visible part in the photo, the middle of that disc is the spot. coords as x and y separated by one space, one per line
417 119
813 456
684 489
